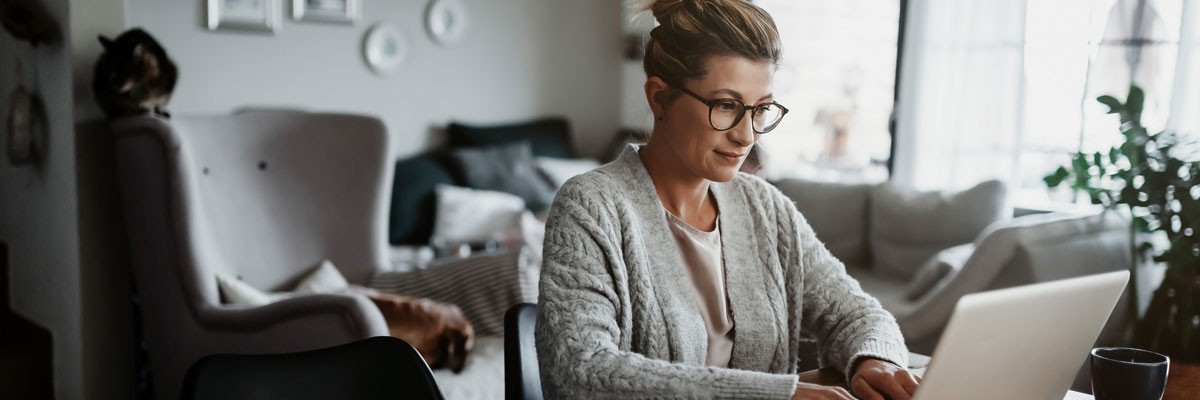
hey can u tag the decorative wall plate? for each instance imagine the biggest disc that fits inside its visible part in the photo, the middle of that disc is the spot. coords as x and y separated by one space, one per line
384 48
446 21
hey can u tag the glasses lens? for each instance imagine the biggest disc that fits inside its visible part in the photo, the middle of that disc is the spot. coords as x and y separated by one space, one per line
767 117
725 114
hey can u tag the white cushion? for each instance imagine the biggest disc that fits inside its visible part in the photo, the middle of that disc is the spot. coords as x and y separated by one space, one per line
324 278
908 227
559 170
467 215
234 291
937 268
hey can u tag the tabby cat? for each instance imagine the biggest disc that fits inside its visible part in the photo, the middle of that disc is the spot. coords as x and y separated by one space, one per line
133 76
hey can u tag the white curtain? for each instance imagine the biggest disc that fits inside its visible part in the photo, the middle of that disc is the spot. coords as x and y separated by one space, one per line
960 105
966 112
1185 103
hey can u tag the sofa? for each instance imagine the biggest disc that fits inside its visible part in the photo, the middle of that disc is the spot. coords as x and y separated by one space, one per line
919 252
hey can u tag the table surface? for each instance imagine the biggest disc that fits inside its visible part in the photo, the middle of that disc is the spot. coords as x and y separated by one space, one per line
917 363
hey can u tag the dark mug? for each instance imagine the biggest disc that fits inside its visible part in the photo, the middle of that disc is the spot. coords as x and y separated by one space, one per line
1122 373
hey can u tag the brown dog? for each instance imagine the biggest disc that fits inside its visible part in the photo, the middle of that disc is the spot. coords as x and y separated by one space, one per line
438 330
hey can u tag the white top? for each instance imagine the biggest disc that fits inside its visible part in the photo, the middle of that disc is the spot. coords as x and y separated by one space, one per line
701 252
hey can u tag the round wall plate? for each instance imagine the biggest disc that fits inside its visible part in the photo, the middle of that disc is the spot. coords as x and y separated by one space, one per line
384 48
446 21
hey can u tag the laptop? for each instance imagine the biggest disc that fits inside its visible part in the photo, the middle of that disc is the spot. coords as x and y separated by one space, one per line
1026 342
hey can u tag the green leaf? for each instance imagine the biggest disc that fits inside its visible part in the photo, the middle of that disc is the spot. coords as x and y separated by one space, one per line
1057 177
1114 105
1143 225
1080 165
1135 100
1128 150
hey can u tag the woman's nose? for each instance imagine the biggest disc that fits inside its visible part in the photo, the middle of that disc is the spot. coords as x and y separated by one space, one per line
743 133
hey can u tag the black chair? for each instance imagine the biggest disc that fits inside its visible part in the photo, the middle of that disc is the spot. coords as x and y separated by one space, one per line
522 379
380 367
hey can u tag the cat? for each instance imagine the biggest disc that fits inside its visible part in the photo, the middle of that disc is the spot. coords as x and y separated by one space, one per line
134 75
439 331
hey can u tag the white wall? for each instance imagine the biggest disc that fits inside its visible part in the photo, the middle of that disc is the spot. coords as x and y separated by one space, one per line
519 59
105 276
59 218
38 207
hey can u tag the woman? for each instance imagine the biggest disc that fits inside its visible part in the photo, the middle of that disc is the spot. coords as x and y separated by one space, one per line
668 274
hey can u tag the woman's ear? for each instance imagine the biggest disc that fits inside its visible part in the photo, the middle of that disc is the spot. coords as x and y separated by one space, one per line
656 89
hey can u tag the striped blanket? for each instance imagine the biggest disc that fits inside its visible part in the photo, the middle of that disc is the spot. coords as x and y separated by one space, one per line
483 286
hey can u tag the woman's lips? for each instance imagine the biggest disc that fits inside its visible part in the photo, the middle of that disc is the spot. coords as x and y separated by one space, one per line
730 157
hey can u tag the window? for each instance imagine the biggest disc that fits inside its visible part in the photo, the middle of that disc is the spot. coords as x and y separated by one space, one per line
1006 89
1077 50
837 78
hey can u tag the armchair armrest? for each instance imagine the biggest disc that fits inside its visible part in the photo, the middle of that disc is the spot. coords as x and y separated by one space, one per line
362 318
1025 250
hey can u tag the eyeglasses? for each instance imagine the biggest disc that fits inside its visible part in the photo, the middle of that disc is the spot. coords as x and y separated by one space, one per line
724 114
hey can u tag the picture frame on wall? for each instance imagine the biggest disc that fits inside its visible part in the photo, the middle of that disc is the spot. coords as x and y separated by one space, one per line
335 11
244 15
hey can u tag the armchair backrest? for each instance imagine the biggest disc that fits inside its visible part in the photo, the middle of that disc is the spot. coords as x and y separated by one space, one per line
276 192
263 195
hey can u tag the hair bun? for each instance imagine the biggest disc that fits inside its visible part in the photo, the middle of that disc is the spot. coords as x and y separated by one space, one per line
691 31
663 9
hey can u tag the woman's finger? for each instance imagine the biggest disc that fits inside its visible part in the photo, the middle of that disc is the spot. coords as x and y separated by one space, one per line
908 381
863 390
886 384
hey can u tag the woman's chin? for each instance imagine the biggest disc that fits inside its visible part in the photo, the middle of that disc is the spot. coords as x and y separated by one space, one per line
723 175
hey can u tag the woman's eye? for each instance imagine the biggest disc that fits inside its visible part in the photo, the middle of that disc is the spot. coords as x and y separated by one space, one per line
726 106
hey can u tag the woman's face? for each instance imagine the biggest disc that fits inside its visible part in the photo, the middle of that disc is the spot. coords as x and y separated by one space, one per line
685 131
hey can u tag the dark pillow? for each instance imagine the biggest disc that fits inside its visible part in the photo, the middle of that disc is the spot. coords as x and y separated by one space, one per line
507 168
414 201
550 137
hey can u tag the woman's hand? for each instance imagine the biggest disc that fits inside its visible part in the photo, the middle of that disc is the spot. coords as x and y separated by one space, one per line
879 380
809 391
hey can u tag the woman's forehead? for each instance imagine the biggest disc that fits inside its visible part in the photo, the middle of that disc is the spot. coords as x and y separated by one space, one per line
752 79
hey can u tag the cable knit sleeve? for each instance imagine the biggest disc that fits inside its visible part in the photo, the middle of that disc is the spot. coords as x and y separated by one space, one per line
849 324
583 289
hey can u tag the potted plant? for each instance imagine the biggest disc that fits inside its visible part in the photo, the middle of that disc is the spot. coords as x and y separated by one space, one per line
1155 178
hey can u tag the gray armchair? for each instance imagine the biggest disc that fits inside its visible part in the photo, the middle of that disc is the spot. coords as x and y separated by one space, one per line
263 196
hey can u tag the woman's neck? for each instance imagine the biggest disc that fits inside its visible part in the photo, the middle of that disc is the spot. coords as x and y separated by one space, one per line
681 192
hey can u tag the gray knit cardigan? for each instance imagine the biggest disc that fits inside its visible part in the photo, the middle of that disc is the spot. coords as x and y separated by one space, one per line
618 317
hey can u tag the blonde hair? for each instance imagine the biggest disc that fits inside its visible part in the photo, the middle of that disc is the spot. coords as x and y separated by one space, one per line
690 32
